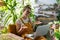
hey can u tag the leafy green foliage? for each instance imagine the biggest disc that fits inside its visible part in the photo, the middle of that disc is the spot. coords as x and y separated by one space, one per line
7 18
32 15
10 6
57 34
10 10
5 30
14 18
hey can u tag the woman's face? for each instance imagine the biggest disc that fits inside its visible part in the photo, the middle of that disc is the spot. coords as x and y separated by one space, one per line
26 12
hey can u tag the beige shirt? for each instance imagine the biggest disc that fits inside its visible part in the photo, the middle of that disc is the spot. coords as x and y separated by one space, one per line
20 22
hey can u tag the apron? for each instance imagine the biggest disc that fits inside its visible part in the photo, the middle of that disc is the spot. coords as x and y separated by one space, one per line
29 26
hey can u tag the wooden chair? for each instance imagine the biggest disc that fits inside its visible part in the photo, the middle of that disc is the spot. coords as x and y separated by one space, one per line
12 28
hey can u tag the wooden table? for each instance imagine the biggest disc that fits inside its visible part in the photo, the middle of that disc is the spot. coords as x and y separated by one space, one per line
10 36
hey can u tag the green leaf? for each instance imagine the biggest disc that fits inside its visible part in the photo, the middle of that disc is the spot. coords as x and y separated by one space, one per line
4 30
14 18
14 3
10 0
6 1
57 34
6 19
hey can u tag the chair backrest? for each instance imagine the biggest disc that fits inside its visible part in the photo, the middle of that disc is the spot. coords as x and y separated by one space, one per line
42 30
12 28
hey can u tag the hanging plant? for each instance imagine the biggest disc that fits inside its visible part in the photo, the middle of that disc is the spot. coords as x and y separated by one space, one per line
10 6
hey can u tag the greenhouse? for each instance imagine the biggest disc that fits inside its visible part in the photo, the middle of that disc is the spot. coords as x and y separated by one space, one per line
29 19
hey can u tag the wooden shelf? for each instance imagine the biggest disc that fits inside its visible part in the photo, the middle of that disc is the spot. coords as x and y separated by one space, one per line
46 19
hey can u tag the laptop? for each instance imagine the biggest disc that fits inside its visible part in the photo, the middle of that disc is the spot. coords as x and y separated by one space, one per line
42 30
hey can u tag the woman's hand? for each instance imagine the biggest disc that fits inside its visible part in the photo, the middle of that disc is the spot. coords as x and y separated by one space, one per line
23 28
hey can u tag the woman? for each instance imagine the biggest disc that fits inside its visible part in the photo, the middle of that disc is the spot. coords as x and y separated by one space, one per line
24 24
